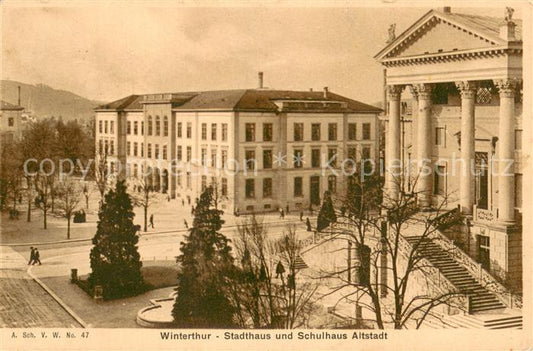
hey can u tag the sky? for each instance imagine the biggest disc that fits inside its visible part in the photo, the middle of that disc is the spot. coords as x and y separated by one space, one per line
107 50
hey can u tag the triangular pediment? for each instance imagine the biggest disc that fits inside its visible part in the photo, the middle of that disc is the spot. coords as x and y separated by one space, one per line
437 33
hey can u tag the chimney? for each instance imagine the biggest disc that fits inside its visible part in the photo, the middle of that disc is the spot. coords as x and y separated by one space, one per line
507 30
325 92
260 76
18 101
447 9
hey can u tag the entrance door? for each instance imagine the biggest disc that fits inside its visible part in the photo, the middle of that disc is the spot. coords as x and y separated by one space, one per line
482 180
315 190
484 251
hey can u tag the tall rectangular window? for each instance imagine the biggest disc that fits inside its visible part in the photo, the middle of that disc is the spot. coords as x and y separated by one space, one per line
267 187
332 131
213 157
267 131
204 131
352 153
352 131
157 126
298 186
267 159
332 157
438 180
156 151
106 127
250 188
298 158
164 152
213 131
179 153
179 130
142 127
178 177
440 136
111 147
189 130
10 122
298 131
315 158
136 127
188 180
189 153
249 160
366 154
224 132
315 131
518 190
142 149
112 127
204 182
165 126
224 159
128 127
366 131
100 129
128 148
204 156
224 187
149 150
135 148
332 184
250 131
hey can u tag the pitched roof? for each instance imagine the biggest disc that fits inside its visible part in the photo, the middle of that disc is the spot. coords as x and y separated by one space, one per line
246 100
485 24
7 106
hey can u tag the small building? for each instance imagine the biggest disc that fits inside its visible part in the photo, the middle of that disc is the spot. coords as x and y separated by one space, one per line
10 121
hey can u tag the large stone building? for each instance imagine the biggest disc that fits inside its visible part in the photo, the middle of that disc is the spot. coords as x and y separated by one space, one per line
264 149
463 77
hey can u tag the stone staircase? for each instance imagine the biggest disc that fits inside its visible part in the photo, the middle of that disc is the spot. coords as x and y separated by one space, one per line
499 321
481 300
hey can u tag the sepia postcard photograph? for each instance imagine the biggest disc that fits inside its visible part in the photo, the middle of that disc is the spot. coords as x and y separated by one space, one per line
266 175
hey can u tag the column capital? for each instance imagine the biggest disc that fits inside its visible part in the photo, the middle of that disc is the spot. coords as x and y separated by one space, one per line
394 91
467 89
507 87
422 91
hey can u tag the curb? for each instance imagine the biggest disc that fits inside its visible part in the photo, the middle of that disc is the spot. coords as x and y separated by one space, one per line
57 299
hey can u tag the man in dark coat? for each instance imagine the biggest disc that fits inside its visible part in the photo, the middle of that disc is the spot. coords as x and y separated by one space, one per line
37 257
32 255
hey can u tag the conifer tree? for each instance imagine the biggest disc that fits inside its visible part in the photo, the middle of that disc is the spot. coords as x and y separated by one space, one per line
115 260
327 215
206 269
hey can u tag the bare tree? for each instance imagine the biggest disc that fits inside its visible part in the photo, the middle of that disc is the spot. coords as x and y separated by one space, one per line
268 291
372 227
43 186
69 194
143 196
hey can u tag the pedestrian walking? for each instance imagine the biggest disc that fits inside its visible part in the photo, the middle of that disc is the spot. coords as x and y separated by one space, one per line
37 257
280 270
32 255
308 224
301 216
152 220
287 209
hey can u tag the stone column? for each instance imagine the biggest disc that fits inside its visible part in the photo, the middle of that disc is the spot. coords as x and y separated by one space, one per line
424 145
466 176
506 148
392 153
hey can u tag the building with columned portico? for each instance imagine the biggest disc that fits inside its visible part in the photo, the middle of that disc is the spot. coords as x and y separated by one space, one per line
462 75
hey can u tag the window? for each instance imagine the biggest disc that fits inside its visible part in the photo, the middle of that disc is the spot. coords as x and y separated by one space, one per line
224 159
100 124
106 147
204 156
267 187
249 161
100 146
332 184
204 182
142 127
112 127
352 153
250 131
128 128
352 131
298 158
179 153
179 178
135 170
250 188
213 131
440 136
142 149
315 131
150 130
188 180
189 130
105 126
224 187
298 131
439 182
128 148
157 125
315 158
135 127
164 152
366 131
267 131
267 159
298 186
204 131
366 153
149 151
179 129
224 132
165 126
518 190
135 149
156 151
332 131
111 147
332 157
189 153
213 157
518 139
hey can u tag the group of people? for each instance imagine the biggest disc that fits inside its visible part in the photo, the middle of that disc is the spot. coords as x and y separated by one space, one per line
34 256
